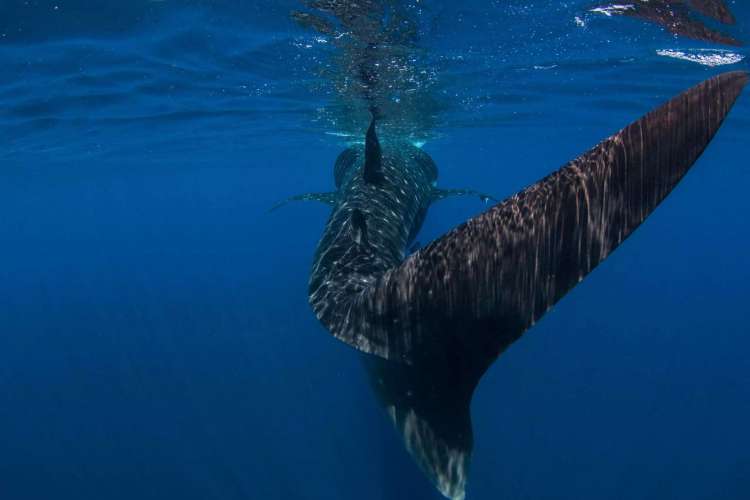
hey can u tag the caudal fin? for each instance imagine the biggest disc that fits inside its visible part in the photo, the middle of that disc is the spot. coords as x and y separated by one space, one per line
440 319
327 198
484 283
428 404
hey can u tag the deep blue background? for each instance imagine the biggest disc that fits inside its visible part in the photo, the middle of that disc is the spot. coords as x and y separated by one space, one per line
155 339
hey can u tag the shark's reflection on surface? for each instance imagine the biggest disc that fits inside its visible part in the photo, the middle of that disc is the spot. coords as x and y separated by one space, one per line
678 16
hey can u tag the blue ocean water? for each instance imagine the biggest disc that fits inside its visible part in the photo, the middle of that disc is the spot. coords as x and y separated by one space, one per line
155 336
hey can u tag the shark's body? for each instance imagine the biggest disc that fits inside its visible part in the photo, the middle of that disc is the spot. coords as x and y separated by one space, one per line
424 397
429 324
355 249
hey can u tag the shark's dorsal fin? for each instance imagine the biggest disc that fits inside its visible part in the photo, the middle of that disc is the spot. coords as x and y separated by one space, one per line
441 194
373 169
478 288
327 198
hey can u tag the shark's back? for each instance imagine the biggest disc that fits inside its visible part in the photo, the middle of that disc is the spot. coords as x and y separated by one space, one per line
370 226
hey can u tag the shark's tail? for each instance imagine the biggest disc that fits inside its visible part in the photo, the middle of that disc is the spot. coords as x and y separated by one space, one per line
491 278
443 316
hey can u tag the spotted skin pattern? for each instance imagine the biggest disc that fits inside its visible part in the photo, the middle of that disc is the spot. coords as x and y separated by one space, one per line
430 324
394 210
435 424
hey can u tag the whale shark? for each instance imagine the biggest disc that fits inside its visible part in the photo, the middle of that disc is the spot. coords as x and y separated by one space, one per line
429 323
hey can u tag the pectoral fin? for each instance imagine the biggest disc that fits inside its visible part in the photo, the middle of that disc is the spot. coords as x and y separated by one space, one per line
327 198
441 194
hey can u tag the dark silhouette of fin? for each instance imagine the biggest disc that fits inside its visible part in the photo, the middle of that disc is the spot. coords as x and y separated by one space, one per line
327 198
441 194
430 409
441 318
716 9
373 170
479 287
